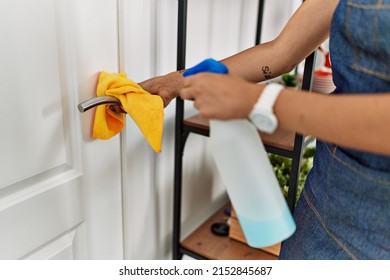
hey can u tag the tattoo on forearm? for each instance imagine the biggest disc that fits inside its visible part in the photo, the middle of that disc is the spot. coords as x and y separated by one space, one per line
266 72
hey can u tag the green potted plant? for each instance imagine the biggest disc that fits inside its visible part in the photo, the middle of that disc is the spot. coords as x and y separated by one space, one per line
289 80
282 169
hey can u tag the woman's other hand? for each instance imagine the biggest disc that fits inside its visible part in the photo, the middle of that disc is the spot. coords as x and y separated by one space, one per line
219 96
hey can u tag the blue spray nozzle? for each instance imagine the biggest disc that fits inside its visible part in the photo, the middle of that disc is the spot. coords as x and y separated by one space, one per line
207 65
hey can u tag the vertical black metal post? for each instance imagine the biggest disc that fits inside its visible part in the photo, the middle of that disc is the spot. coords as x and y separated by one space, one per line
181 34
181 56
299 139
295 172
259 21
298 144
308 71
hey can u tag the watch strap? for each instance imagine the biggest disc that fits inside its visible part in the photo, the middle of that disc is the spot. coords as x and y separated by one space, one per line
262 115
268 96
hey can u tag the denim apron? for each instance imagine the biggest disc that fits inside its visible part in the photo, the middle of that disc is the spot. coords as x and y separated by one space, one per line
344 210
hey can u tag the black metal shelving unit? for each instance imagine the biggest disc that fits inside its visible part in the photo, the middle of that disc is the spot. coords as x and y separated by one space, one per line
197 125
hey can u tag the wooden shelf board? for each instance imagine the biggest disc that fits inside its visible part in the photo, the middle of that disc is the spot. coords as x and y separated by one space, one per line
281 139
204 243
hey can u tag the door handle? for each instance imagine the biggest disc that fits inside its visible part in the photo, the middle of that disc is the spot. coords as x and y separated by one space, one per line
100 100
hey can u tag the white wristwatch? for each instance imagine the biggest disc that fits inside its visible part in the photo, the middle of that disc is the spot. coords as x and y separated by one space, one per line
262 115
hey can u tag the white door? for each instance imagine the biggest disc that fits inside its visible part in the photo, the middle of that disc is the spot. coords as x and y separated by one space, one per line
60 190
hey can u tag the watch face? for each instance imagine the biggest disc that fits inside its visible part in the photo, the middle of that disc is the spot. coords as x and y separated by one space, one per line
266 123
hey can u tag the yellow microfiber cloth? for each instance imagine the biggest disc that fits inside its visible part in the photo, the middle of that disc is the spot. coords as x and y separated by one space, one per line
145 109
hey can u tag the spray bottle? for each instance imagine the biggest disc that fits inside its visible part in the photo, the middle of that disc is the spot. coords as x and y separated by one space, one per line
246 171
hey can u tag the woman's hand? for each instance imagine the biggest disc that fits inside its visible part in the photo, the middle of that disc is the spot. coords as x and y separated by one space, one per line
167 86
219 96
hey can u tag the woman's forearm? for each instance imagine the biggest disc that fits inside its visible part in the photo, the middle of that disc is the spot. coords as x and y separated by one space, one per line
356 121
360 121
304 32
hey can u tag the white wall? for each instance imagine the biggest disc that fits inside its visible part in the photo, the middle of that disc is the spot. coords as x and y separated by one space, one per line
216 28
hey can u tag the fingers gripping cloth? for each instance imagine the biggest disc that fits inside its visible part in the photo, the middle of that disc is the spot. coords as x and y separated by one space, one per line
145 109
